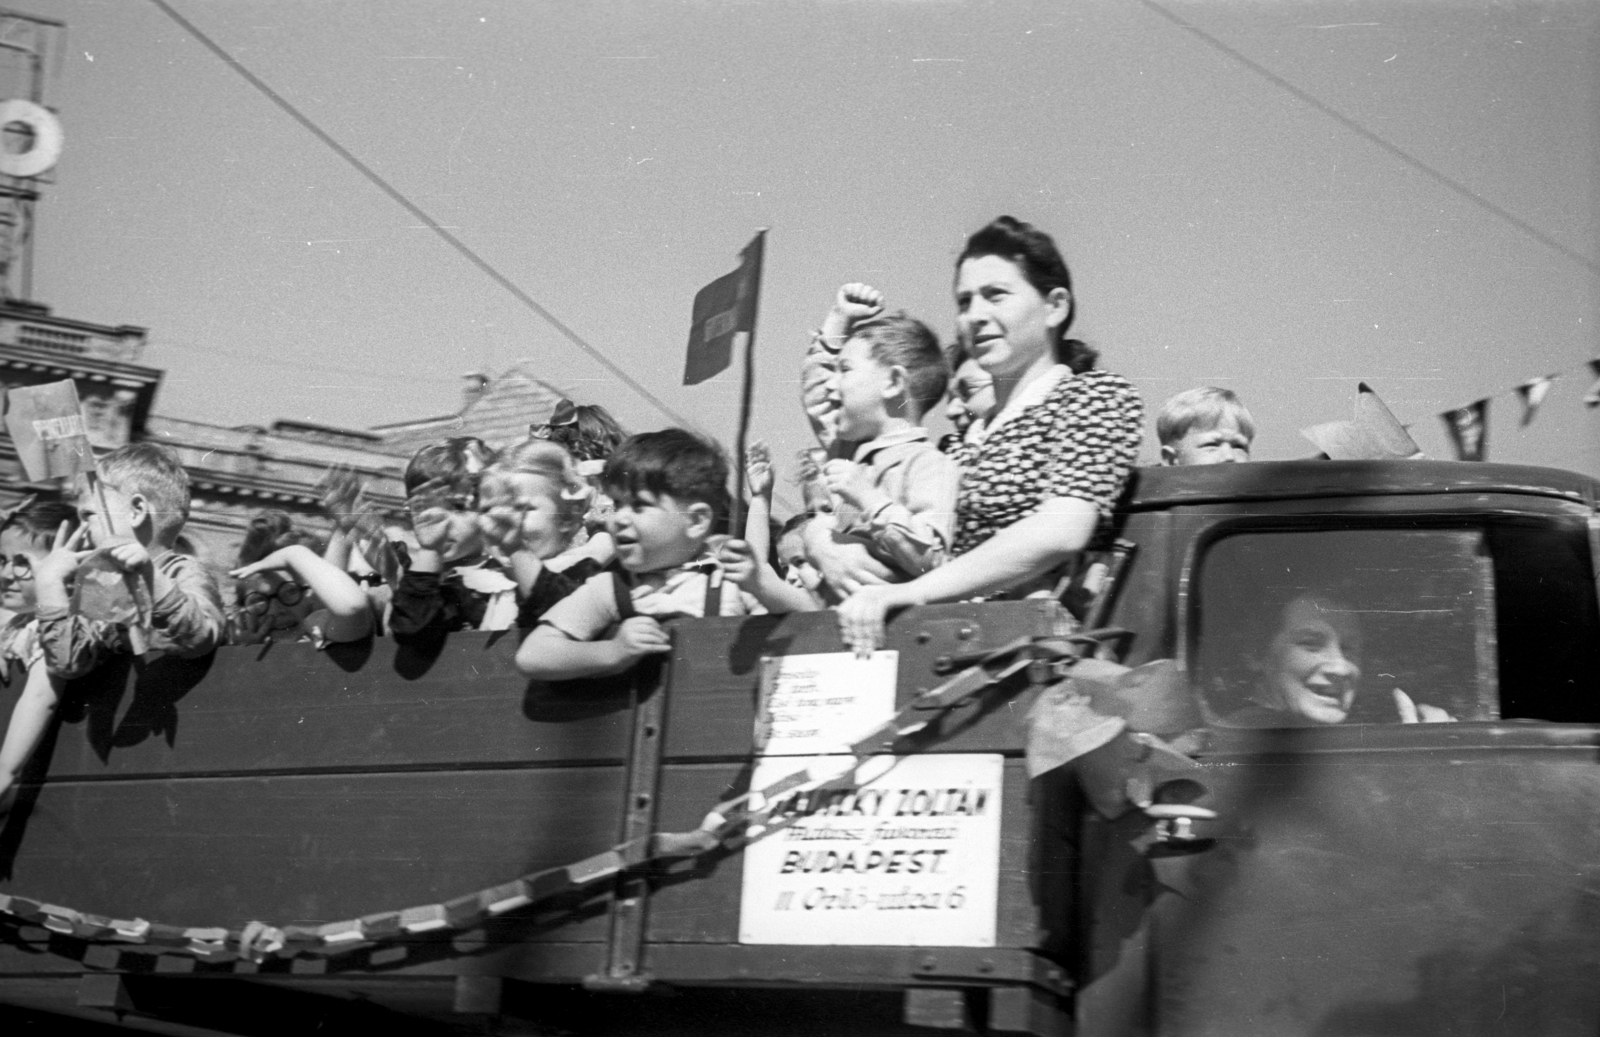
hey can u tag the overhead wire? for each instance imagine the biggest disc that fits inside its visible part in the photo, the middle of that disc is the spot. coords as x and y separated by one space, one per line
1449 182
400 199
293 360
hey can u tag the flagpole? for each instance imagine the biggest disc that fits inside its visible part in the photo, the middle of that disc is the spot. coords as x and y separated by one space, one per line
746 391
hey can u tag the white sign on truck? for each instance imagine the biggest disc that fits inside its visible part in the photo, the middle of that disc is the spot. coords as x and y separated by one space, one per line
909 859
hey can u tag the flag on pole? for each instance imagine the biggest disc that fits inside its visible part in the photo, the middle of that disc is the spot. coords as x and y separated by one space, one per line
46 426
1592 397
1469 430
1533 392
723 309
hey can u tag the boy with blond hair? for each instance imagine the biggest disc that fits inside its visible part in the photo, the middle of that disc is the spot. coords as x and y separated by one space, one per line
1207 425
133 509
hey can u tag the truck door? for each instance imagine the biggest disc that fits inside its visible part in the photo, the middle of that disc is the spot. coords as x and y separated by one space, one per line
1401 747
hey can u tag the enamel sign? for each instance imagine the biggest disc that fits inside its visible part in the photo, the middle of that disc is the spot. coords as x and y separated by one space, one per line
910 858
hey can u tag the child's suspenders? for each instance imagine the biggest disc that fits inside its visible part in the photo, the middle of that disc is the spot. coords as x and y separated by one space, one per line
626 611
619 587
713 605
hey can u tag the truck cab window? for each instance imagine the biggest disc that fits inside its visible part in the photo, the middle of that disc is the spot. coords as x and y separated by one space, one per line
1548 622
1306 628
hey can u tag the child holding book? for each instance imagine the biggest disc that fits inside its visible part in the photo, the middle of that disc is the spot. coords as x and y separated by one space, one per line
133 508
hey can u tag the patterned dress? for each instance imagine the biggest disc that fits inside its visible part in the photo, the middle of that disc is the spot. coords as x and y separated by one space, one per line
1080 441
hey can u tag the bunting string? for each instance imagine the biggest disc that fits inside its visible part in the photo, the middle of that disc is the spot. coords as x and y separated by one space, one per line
1468 425
1469 430
1533 392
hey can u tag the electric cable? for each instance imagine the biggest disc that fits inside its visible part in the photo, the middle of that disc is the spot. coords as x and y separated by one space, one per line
1394 150
394 195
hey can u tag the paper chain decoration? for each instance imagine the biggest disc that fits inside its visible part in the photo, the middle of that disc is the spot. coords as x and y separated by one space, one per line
731 824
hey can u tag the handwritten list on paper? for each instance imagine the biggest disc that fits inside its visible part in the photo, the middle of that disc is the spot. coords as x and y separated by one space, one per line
822 703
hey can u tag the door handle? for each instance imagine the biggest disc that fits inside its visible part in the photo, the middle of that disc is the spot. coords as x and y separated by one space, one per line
1175 824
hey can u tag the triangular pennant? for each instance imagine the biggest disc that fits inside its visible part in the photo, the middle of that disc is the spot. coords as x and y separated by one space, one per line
1469 430
1374 435
1533 392
1592 397
1375 419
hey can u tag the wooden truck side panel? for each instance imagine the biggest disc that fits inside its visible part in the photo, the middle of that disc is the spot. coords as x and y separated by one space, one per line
297 787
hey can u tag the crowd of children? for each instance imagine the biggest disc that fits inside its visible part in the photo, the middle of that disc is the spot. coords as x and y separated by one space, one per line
586 539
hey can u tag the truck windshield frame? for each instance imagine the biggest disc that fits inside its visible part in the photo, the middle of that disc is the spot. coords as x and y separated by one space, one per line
1487 618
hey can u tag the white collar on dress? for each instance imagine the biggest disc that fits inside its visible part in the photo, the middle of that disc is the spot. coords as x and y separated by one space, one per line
1031 395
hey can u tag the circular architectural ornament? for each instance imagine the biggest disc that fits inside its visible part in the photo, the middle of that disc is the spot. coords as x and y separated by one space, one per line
45 129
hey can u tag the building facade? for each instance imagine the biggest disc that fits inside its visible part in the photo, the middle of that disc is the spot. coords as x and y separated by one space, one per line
116 391
235 473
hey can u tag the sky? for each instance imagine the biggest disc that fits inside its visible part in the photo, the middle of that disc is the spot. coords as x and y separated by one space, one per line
1282 198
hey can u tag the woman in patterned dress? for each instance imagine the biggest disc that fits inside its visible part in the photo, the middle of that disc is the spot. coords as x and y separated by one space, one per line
1040 477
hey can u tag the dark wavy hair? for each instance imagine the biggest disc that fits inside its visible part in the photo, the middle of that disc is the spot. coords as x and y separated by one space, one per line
454 461
1035 254
40 518
270 530
598 434
1230 656
675 462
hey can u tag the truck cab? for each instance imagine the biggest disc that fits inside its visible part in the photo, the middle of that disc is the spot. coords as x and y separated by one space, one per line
1376 816
1368 875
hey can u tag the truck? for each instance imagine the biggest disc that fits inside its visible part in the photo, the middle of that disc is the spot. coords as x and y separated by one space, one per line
1035 817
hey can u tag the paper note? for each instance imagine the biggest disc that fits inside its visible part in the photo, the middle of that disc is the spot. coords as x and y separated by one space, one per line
823 703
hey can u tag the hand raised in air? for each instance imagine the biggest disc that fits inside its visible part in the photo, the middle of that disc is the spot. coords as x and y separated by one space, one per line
758 469
339 493
66 554
1419 712
856 302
